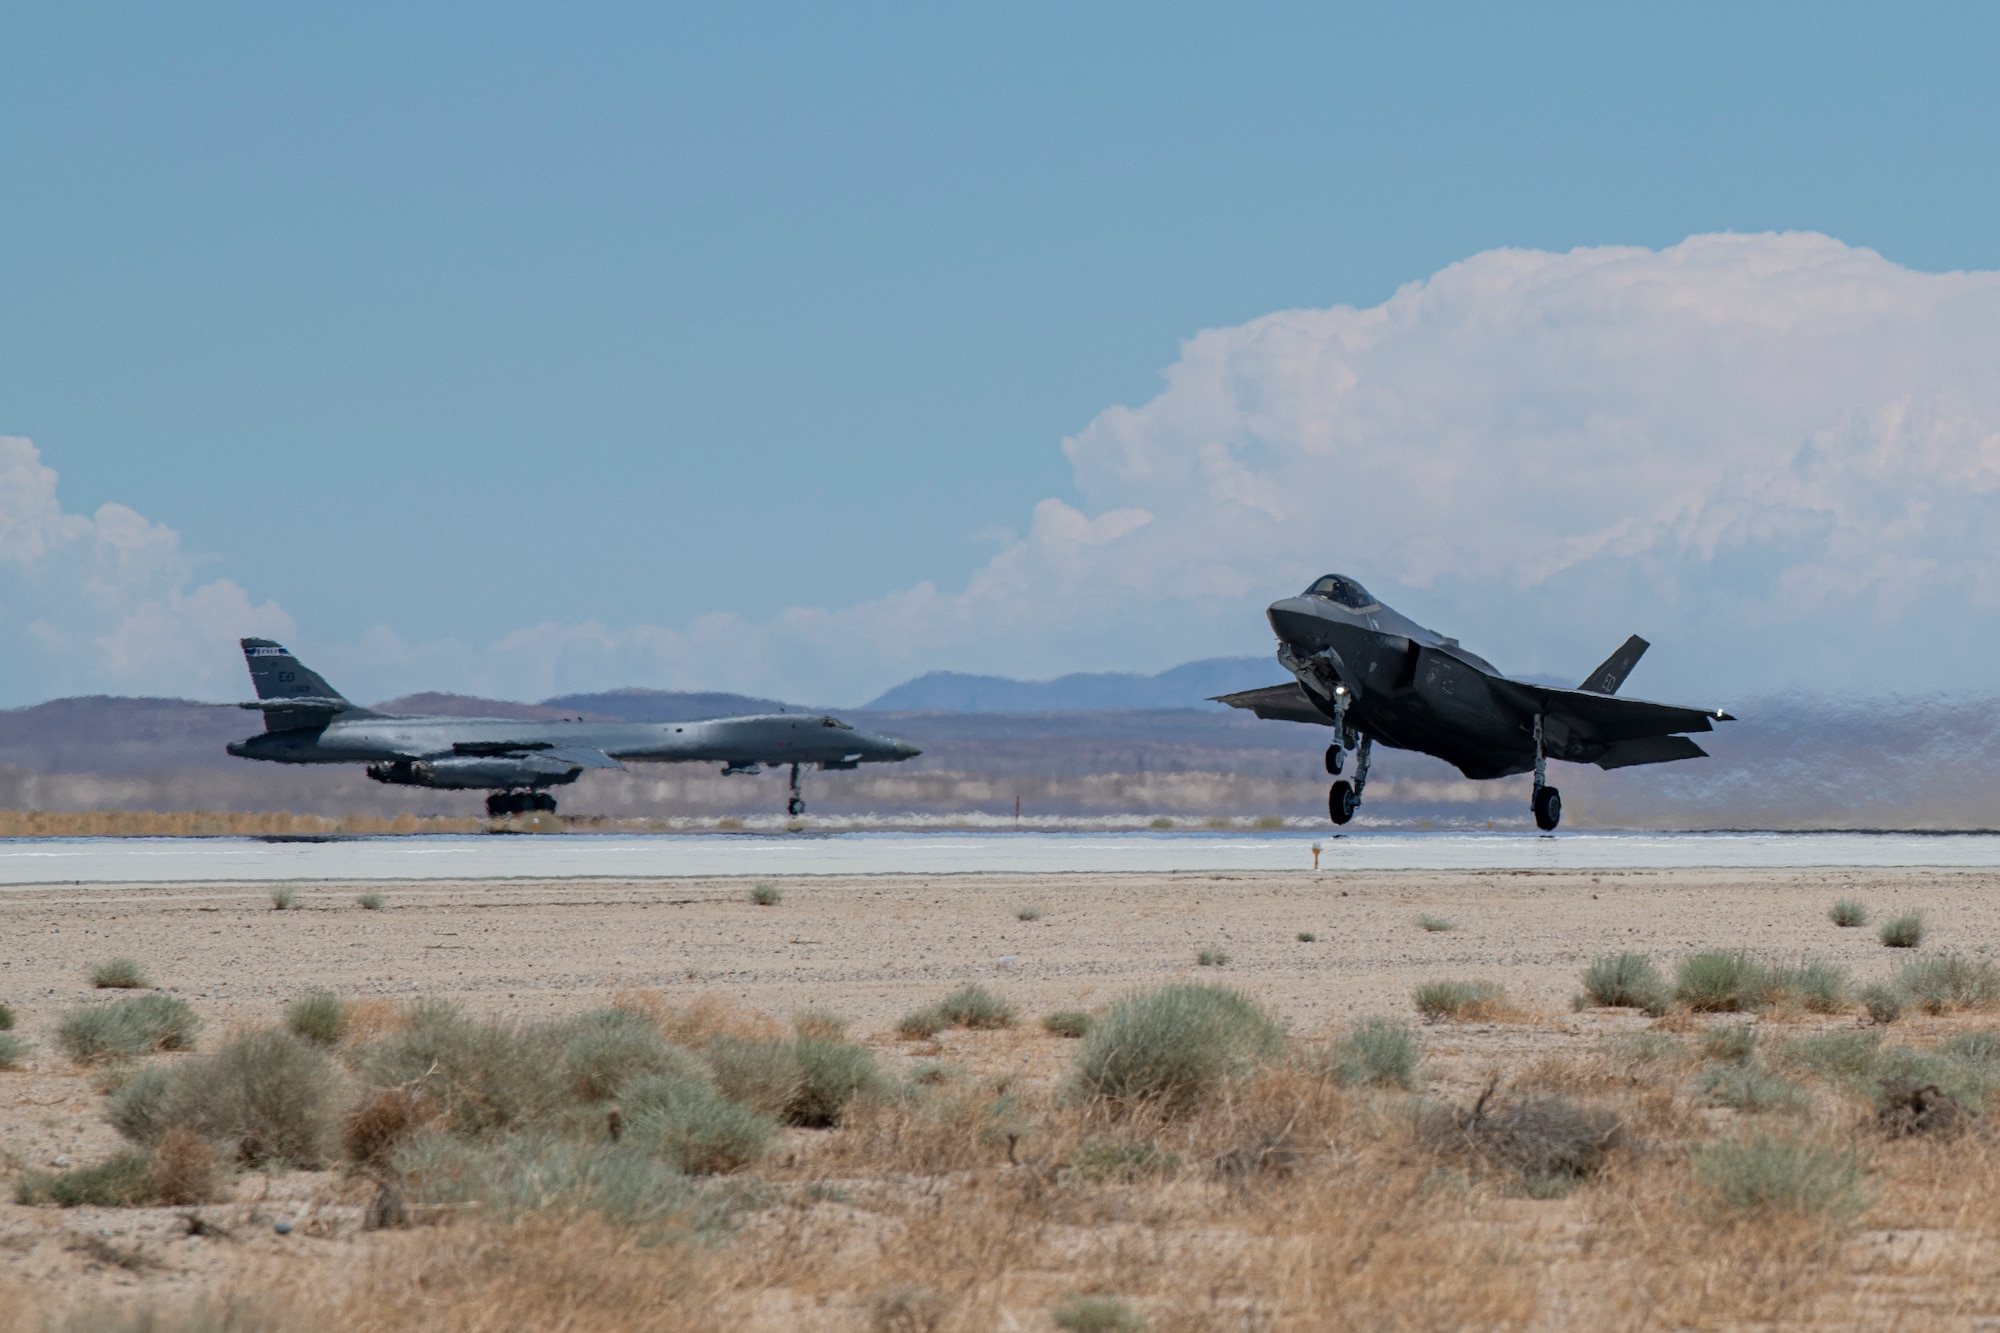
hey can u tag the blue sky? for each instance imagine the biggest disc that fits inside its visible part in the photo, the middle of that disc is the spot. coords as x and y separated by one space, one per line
429 328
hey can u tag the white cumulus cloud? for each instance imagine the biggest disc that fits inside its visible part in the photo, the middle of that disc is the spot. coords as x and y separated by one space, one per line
108 602
1776 455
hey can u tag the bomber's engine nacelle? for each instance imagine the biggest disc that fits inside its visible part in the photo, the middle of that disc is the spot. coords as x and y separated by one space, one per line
461 772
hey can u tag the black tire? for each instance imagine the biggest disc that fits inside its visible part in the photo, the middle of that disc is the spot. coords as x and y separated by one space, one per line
1341 802
542 800
498 804
795 806
1336 759
1548 809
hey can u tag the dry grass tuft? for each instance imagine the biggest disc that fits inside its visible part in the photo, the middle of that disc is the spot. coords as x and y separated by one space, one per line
1903 932
1468 1001
381 1120
1173 1046
120 974
1546 1139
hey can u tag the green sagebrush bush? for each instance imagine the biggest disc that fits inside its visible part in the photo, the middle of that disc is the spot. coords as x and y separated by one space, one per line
1174 1045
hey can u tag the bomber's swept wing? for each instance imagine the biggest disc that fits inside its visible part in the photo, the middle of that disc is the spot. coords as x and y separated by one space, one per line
1280 703
582 756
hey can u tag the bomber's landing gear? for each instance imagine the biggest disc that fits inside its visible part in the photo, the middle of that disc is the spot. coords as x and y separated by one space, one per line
1548 801
502 803
797 805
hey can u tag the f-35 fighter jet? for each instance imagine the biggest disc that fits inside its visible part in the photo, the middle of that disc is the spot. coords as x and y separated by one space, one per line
1375 675
306 721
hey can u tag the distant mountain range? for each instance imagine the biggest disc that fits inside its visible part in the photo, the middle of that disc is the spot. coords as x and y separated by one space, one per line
1189 685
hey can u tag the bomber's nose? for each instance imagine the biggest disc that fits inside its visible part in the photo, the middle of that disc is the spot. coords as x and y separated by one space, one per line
905 750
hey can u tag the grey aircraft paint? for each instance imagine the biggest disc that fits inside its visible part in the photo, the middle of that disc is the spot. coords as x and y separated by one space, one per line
1373 674
307 721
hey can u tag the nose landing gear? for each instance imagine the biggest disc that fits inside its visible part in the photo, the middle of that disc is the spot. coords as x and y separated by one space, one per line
1344 798
797 805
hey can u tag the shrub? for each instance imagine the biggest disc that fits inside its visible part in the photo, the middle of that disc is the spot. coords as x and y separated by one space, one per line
1798 1177
1174 1045
922 1024
831 1074
371 902
1883 1004
1719 981
318 1016
1903 932
184 1169
120 974
1211 957
1541 1136
483 1076
1626 981
138 1109
977 1007
1437 1000
126 1181
1818 987
1944 982
806 1081
1068 1023
1095 1314
1848 912
381 1120
127 1028
13 1051
1967 1080
1747 1088
819 1023
1836 1054
529 1172
270 1096
1434 923
6 1018
1735 1043
1028 914
761 1073
284 898
1306 937
766 895
691 1126
609 1048
1379 1051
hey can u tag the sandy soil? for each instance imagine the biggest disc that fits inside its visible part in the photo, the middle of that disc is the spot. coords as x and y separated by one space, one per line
868 948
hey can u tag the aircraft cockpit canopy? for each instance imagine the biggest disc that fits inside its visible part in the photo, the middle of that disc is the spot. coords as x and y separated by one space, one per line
835 722
1340 589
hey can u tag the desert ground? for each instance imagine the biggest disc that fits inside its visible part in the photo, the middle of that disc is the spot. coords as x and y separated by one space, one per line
979 1185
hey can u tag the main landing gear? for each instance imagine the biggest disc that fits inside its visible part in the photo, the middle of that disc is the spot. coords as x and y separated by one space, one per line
797 805
1548 801
519 803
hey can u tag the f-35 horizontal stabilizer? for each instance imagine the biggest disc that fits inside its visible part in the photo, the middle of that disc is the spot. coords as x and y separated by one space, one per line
1649 750
1612 672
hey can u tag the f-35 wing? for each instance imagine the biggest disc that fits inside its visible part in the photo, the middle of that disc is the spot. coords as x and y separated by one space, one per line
1279 703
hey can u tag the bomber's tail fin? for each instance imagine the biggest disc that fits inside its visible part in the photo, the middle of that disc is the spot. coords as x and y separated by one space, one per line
289 693
1611 674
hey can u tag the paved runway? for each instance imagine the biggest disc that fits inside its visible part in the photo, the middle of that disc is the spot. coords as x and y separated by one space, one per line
581 856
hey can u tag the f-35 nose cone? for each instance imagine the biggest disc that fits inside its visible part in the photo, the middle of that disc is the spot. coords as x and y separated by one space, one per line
905 750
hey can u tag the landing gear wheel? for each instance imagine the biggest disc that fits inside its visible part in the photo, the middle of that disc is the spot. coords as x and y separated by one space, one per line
1548 809
542 800
795 807
1341 802
1336 758
500 803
